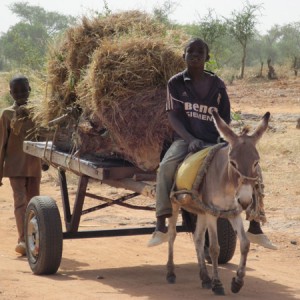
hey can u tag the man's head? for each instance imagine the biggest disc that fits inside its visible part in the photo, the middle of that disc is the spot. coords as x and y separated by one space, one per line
20 89
196 51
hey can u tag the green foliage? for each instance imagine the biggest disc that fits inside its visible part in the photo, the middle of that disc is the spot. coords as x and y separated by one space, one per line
162 13
242 23
290 40
242 27
211 65
52 22
25 43
235 116
233 42
2 63
212 30
107 11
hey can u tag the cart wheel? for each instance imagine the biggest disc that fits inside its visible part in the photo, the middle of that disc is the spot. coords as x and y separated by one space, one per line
43 235
227 242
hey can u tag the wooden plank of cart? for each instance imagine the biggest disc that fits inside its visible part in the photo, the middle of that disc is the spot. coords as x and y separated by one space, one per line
43 227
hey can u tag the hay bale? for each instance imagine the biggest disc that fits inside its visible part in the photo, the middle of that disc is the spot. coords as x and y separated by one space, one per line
69 56
125 86
83 39
115 69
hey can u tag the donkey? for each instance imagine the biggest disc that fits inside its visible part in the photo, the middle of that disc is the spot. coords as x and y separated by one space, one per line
227 186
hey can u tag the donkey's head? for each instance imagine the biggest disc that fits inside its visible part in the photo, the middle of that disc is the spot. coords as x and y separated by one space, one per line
243 157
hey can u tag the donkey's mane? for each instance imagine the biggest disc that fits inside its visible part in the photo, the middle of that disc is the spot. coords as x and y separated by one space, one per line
245 130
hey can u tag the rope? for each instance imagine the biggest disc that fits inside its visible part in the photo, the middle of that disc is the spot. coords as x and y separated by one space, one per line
49 161
205 208
57 124
256 211
241 175
206 163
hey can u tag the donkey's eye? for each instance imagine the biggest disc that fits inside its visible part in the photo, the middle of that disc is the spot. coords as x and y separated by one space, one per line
233 163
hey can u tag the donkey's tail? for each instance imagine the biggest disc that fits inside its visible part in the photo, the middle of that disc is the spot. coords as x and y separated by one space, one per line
188 221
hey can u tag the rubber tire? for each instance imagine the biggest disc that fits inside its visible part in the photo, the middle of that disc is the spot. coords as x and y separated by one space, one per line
227 242
48 219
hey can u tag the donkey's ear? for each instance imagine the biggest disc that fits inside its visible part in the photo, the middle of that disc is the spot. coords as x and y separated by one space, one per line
222 127
261 128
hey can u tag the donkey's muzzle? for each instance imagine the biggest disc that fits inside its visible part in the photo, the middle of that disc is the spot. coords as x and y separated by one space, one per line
243 204
244 196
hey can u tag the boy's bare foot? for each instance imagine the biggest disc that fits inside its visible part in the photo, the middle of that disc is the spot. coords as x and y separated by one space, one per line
21 248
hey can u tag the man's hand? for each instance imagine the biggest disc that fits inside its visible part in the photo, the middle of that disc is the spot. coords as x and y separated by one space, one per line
195 145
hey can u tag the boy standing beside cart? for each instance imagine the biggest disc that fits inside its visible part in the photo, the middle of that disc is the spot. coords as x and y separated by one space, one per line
23 170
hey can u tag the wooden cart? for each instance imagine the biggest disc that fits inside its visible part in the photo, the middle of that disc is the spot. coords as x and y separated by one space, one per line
43 227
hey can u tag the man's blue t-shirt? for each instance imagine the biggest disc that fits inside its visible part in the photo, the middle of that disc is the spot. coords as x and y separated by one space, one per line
195 111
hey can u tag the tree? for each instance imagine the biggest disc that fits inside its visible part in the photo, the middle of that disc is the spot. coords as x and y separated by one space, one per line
162 13
53 22
212 30
271 40
241 26
290 44
25 43
262 48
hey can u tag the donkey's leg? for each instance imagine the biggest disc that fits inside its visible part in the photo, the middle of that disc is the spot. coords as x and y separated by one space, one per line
238 281
214 251
171 277
199 240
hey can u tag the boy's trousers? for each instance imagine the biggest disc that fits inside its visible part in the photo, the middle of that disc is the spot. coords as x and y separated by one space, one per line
24 188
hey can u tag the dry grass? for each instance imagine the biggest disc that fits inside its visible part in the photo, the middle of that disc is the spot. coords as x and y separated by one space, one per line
116 70
125 86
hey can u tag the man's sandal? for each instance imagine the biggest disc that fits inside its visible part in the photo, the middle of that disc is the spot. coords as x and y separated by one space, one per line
158 238
261 239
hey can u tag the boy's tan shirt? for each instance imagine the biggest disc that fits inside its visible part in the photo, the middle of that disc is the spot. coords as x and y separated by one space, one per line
13 161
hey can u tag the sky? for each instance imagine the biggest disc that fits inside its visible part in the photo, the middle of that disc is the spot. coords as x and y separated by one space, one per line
186 11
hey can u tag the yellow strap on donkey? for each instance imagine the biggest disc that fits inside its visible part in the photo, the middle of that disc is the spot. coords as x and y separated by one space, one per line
189 168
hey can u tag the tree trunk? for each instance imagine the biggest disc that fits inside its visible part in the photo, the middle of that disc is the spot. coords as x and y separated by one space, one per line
243 62
271 73
260 74
295 66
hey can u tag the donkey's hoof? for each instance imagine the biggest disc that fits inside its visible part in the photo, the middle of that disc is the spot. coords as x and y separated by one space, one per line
206 284
236 286
171 278
219 291
217 288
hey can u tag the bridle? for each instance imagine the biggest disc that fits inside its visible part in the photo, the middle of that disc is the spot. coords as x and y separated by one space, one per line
241 180
242 177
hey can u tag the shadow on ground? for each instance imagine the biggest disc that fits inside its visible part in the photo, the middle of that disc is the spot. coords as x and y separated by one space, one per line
149 281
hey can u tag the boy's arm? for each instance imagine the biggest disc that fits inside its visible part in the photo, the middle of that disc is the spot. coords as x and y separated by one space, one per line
224 107
177 125
4 129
